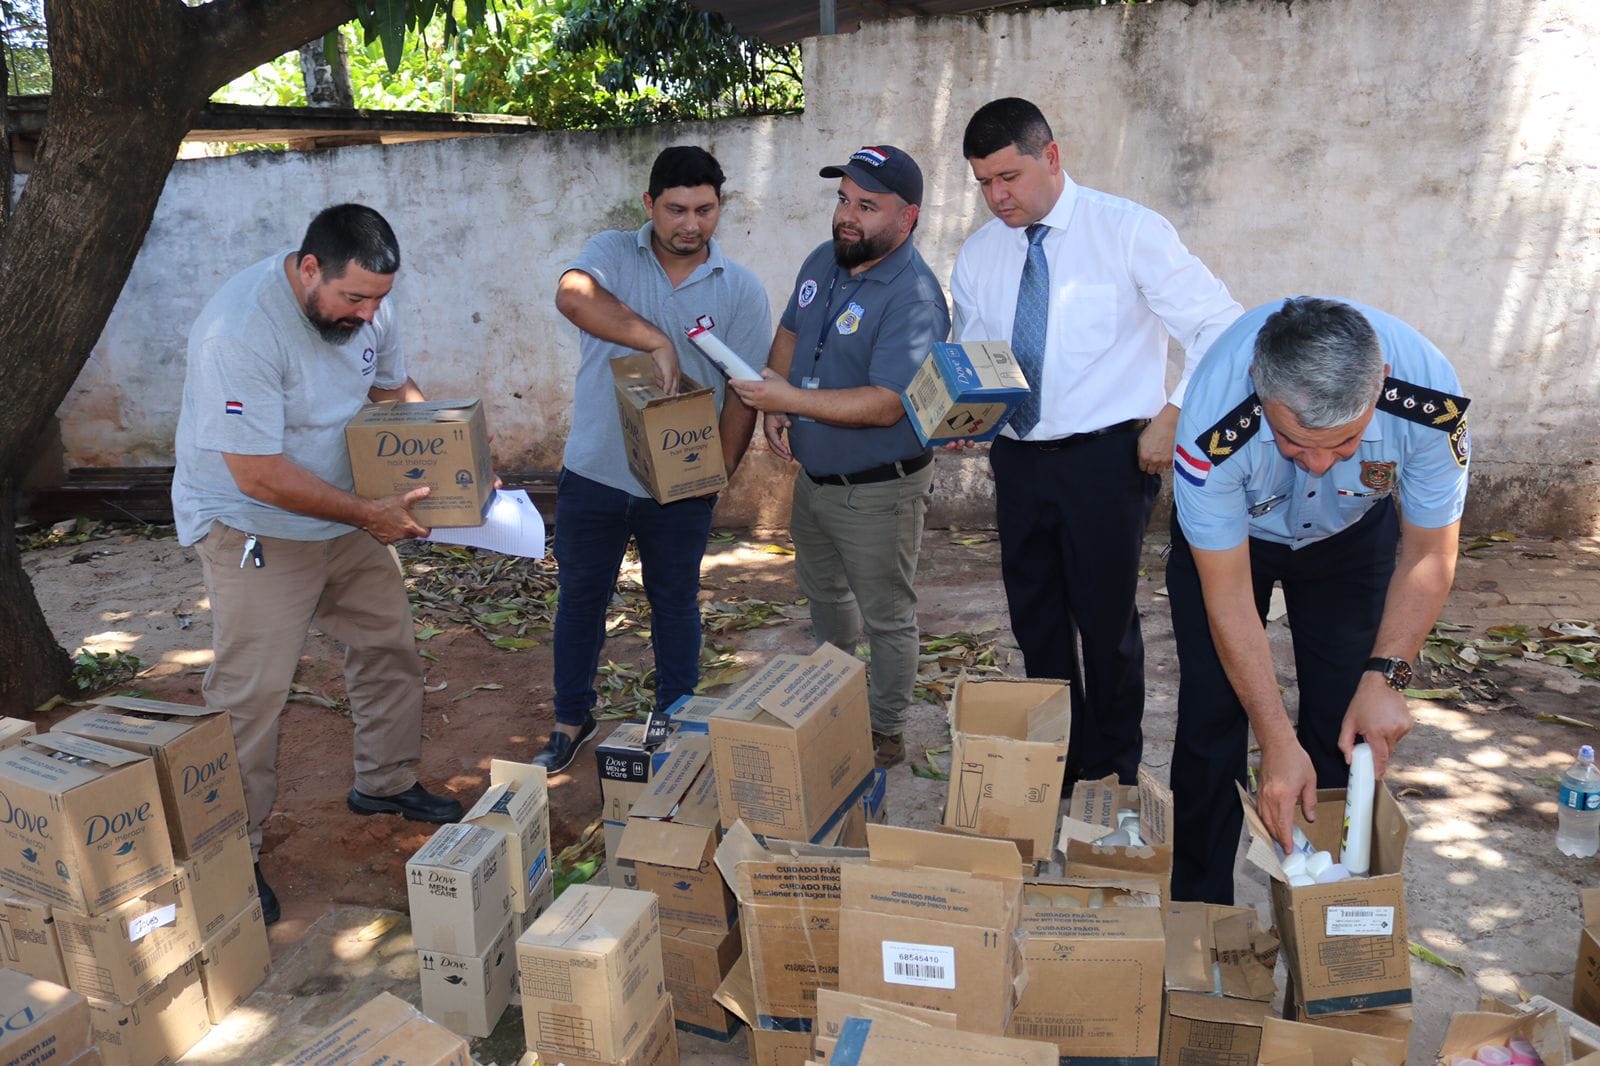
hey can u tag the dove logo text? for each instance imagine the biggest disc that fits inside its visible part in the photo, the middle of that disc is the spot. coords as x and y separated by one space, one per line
99 826
391 444
24 820
196 775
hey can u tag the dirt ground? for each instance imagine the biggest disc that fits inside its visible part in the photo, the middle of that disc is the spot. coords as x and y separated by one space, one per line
1486 888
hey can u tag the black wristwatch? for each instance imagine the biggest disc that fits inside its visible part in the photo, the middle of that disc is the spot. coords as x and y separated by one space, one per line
1396 672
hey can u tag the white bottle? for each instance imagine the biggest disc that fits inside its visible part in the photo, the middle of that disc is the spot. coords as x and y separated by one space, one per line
1355 854
1578 811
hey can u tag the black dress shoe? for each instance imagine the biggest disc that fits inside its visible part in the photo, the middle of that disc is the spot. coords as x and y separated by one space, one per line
270 910
415 803
561 749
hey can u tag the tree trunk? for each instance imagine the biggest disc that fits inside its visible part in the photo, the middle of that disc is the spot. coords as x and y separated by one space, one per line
327 76
6 168
128 78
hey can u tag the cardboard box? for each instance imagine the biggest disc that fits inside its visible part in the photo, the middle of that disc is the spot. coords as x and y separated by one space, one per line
234 962
694 964
29 941
620 873
440 444
222 881
692 714
518 805
90 1057
673 445
779 1047
1095 954
591 973
792 743
671 838
866 806
1586 974
789 897
1204 1030
1285 1043
543 897
1470 1031
1008 744
626 768
1345 943
932 921
964 391
657 1046
468 993
43 1022
126 951
895 1042
385 1025
459 889
13 730
1389 1023
1093 813
157 1028
192 748
80 823
1213 949
834 1008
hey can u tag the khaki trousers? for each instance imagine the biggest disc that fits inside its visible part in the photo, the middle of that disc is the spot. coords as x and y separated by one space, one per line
855 559
350 588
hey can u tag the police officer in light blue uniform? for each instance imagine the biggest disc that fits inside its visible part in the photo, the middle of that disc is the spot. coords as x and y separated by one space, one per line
1323 445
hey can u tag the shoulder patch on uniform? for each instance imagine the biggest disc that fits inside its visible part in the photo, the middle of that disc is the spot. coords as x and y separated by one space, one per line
1232 430
1424 406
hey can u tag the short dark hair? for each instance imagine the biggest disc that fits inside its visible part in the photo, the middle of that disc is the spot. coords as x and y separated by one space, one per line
1319 358
1004 122
349 233
685 166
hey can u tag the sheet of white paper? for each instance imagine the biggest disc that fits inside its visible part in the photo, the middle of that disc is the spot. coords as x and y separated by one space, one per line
513 526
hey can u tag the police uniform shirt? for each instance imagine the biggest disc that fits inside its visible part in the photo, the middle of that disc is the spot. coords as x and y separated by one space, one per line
875 328
1232 482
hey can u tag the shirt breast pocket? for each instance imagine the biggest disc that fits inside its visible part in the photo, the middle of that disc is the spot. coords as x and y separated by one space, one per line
1085 317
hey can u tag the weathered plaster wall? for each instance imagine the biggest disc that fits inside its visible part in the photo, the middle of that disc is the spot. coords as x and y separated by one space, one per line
1437 158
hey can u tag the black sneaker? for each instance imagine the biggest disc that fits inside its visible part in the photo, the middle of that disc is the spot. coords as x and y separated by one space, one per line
270 910
561 749
416 804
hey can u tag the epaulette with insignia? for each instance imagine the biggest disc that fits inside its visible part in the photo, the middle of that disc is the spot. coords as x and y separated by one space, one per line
1424 406
1232 431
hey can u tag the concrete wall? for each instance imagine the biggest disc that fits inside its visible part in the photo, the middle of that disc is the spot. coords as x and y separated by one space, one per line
1438 158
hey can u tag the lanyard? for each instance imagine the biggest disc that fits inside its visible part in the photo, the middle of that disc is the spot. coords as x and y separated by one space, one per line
827 313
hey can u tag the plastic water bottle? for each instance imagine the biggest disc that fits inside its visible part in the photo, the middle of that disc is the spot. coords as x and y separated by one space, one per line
1578 814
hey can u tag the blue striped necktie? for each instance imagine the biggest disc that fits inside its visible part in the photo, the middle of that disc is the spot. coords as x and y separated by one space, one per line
1028 327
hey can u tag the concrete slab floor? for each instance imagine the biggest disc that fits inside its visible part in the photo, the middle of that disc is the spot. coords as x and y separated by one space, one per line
1486 888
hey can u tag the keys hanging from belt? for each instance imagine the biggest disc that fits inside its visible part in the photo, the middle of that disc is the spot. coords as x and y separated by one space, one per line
252 553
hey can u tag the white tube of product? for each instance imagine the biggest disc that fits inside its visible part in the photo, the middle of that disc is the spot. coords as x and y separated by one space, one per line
723 356
1356 852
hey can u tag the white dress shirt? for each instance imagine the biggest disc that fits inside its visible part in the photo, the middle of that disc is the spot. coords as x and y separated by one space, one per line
1120 282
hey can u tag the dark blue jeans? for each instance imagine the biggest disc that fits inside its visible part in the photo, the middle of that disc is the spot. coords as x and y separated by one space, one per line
593 524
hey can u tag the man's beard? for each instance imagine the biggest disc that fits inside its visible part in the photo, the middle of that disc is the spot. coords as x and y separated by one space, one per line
335 331
850 254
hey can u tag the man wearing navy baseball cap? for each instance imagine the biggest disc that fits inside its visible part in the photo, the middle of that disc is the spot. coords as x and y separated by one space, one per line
863 315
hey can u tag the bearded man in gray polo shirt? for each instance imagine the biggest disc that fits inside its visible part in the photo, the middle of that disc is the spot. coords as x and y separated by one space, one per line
642 291
863 315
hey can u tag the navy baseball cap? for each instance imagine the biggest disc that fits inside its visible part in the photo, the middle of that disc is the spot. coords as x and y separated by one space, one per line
882 168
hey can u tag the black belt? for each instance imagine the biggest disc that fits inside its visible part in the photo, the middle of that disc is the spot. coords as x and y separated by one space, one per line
1079 438
875 474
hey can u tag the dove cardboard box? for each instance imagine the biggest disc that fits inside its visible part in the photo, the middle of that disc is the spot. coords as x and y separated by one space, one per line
1345 942
43 1022
80 823
1586 974
196 764
964 391
1218 985
385 1029
1009 743
441 444
125 952
672 441
29 940
1093 815
468 993
234 962
518 805
459 889
157 1028
695 963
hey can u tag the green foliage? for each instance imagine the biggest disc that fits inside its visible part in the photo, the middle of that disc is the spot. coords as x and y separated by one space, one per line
93 670
23 39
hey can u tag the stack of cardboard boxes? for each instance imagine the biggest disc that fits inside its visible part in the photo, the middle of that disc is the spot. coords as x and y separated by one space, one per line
385 1029
593 985
44 1022
126 853
472 890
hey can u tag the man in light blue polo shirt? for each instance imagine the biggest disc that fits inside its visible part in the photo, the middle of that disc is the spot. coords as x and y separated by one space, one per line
1322 445
642 291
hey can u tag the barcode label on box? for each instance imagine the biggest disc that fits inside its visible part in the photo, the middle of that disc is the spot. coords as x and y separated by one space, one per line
146 924
922 965
1360 921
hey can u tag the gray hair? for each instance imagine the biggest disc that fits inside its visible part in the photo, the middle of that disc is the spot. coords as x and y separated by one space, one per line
1319 358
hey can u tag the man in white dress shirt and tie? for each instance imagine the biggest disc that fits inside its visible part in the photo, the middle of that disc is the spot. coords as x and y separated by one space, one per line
1086 287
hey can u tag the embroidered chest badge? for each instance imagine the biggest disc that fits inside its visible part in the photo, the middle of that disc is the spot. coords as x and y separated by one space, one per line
849 319
1379 477
808 292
